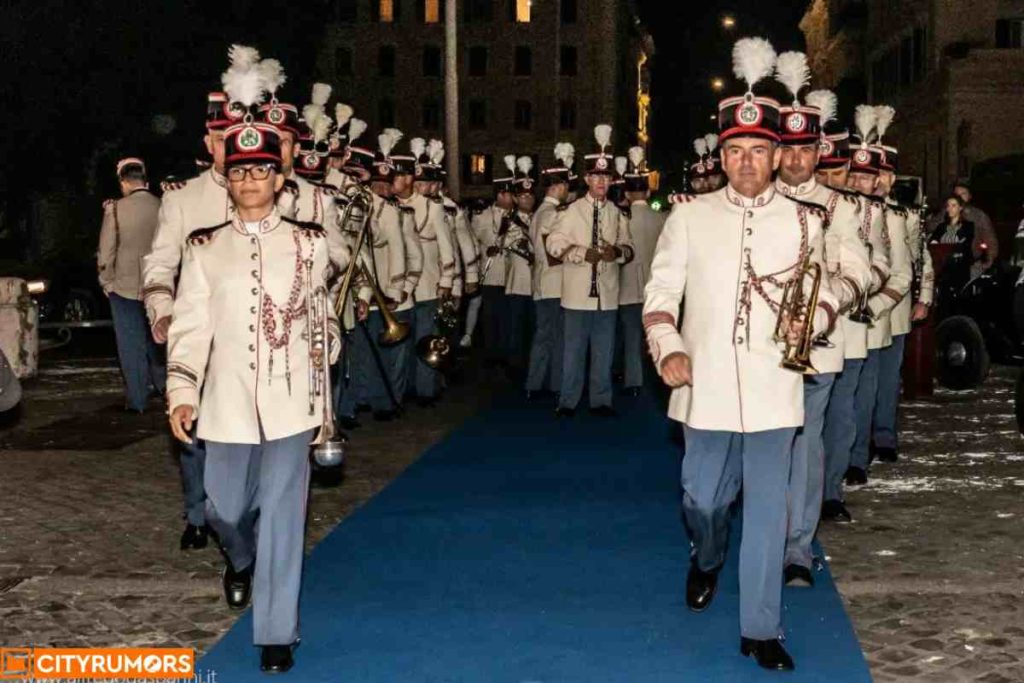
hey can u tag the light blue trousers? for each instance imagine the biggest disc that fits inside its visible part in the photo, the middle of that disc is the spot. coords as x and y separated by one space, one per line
583 329
631 317
547 348
867 394
890 364
841 427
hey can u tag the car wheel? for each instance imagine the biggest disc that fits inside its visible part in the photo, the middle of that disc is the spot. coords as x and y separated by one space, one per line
79 307
961 359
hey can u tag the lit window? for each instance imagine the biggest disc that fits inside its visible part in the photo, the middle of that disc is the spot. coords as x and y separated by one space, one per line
477 164
523 11
431 11
386 11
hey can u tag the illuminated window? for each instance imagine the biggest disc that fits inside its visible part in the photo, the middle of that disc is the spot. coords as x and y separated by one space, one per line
431 11
523 11
477 164
386 11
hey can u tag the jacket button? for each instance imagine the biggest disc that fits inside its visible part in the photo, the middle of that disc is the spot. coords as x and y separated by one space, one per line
252 366
255 274
252 309
750 214
252 328
254 291
749 231
252 347
252 256
739 340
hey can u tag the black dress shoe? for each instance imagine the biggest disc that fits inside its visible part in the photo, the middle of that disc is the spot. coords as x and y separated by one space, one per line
384 415
855 476
769 654
194 537
565 412
700 588
237 586
795 574
603 411
886 454
276 659
835 511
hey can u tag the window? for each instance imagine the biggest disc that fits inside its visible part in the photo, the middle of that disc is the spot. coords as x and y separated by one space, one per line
431 60
567 61
523 115
431 114
1010 33
519 10
386 60
431 11
523 61
343 61
386 11
567 115
478 11
345 11
476 169
478 61
568 12
386 113
477 114
920 55
477 164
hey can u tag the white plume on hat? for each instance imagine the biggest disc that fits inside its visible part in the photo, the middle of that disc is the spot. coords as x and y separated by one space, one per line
712 141
564 152
388 139
321 93
826 101
510 162
342 113
864 119
792 71
320 126
621 164
752 60
603 134
356 127
636 156
417 146
886 115
272 74
525 165
435 150
243 81
700 146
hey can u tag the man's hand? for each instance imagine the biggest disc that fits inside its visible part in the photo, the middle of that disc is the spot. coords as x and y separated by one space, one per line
493 251
362 310
471 288
444 292
160 329
610 252
676 371
181 419
920 312
593 256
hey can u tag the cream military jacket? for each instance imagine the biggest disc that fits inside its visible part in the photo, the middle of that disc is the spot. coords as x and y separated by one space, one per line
238 345
901 272
413 255
486 227
645 226
309 202
387 261
436 242
201 201
126 235
847 269
547 274
730 256
519 271
451 215
921 260
572 235
469 250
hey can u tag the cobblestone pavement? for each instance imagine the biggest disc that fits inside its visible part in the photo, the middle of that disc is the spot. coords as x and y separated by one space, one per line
931 569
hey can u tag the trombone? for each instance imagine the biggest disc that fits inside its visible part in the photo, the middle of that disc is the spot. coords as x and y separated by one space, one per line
795 306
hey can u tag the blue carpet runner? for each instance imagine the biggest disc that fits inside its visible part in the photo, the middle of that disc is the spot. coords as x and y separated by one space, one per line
525 549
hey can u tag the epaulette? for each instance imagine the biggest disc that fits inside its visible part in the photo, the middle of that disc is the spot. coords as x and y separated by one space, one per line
327 189
626 211
477 210
437 199
290 186
848 195
816 209
681 198
204 235
406 209
304 225
564 206
451 210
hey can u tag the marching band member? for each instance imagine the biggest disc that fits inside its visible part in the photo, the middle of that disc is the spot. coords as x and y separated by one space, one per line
591 238
519 267
697 174
715 179
490 226
731 252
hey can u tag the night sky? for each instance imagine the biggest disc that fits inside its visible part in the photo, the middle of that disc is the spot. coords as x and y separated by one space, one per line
83 81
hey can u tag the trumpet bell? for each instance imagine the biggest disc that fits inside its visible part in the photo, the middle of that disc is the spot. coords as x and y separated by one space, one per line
434 351
331 453
797 366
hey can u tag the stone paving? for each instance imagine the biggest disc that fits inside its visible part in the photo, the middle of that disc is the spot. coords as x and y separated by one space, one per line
931 569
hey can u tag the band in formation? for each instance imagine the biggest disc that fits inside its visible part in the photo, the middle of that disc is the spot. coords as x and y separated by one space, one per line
305 274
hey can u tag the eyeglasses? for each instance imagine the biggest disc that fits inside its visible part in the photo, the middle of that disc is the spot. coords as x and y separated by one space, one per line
237 174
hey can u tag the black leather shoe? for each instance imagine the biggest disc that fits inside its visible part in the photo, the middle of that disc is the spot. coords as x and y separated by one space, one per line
384 415
237 586
835 511
194 537
769 654
794 574
603 411
855 476
276 659
565 412
886 454
700 588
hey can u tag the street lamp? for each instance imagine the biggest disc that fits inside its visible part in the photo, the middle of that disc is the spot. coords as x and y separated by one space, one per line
717 84
728 22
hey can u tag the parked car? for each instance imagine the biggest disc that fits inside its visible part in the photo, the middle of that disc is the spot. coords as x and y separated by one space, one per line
74 293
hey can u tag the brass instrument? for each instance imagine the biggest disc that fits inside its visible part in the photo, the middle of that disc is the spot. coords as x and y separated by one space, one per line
510 217
862 313
435 349
796 306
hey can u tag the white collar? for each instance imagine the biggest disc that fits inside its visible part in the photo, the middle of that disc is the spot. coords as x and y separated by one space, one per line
801 190
736 198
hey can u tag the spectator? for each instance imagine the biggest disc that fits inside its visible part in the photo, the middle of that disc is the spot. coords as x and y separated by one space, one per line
986 243
125 237
956 230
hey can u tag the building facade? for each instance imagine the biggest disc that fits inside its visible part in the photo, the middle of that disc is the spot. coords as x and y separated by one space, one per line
954 70
531 73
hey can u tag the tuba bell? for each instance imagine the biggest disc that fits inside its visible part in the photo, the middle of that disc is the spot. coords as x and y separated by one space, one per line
435 350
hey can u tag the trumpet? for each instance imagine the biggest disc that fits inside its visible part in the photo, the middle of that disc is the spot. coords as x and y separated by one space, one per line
862 314
435 349
795 306
507 220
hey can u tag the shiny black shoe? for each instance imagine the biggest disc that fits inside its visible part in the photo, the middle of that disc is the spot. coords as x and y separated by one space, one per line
565 412
194 537
855 476
835 511
700 588
794 574
276 659
886 454
237 586
769 654
604 411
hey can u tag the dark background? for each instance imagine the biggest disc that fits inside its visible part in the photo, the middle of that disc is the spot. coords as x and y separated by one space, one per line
84 80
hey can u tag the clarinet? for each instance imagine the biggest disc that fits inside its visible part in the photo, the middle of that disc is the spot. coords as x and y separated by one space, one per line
922 236
594 235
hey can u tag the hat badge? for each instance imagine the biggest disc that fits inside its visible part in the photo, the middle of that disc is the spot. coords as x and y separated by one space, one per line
601 164
234 110
382 169
310 161
796 122
275 116
250 139
862 156
527 184
827 148
749 114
